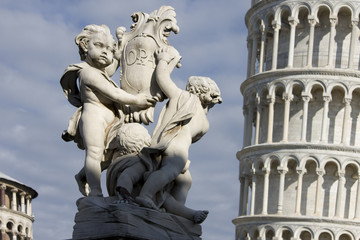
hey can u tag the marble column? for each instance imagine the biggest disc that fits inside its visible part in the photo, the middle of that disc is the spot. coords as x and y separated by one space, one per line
266 191
353 43
276 27
312 23
3 188
14 199
246 130
345 138
258 117
282 171
357 206
262 47
306 100
271 102
249 126
253 191
28 205
22 201
287 98
324 124
300 173
331 59
248 73
253 54
242 180
339 197
245 196
293 23
319 183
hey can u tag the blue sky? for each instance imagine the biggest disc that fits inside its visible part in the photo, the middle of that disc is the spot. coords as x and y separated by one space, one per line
37 44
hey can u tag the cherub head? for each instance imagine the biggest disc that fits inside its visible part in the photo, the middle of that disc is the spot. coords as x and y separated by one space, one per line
206 89
132 137
96 45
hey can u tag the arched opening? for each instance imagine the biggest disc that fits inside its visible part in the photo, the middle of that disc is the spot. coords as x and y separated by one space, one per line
330 189
284 38
321 38
296 114
259 188
345 237
278 125
342 38
269 235
264 117
274 181
307 206
325 236
349 198
286 235
355 112
305 235
336 115
291 179
302 38
315 114
269 43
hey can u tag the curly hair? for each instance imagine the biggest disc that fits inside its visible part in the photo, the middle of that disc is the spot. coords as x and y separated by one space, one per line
198 85
83 38
132 137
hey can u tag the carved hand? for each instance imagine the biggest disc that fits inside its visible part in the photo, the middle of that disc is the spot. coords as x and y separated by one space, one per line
142 100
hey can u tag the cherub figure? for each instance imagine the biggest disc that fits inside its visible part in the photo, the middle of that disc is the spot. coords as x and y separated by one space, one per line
182 122
98 99
129 168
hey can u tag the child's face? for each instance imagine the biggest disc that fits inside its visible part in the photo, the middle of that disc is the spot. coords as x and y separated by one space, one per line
100 50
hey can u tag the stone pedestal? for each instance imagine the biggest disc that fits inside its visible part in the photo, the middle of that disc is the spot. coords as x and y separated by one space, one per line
100 218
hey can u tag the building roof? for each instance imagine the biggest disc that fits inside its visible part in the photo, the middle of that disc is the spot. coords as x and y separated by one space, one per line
7 179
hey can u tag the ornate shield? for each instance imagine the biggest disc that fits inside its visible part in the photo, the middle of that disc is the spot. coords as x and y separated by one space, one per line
148 33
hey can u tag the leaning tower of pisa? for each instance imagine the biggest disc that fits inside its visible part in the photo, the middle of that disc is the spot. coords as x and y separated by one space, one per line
300 159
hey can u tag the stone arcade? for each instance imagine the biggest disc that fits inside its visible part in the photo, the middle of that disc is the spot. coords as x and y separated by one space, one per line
300 165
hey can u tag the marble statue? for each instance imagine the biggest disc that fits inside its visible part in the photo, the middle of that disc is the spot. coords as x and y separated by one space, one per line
97 99
146 175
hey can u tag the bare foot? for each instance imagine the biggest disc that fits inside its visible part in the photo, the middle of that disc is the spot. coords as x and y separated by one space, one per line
200 216
124 196
83 185
147 202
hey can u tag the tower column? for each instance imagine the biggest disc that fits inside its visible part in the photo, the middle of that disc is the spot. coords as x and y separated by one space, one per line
345 138
319 183
271 101
293 23
262 47
276 27
266 191
28 205
249 58
14 200
282 171
249 124
333 22
324 124
341 185
246 118
353 45
258 116
287 98
245 195
3 188
253 190
312 23
22 201
357 207
253 54
300 173
306 100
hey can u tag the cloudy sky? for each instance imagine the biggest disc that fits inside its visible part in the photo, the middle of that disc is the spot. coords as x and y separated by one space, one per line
37 44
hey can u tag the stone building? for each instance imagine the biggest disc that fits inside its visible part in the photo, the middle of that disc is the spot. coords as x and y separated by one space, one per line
300 160
16 217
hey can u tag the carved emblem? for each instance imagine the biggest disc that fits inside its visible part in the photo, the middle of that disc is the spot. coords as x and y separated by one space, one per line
148 33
